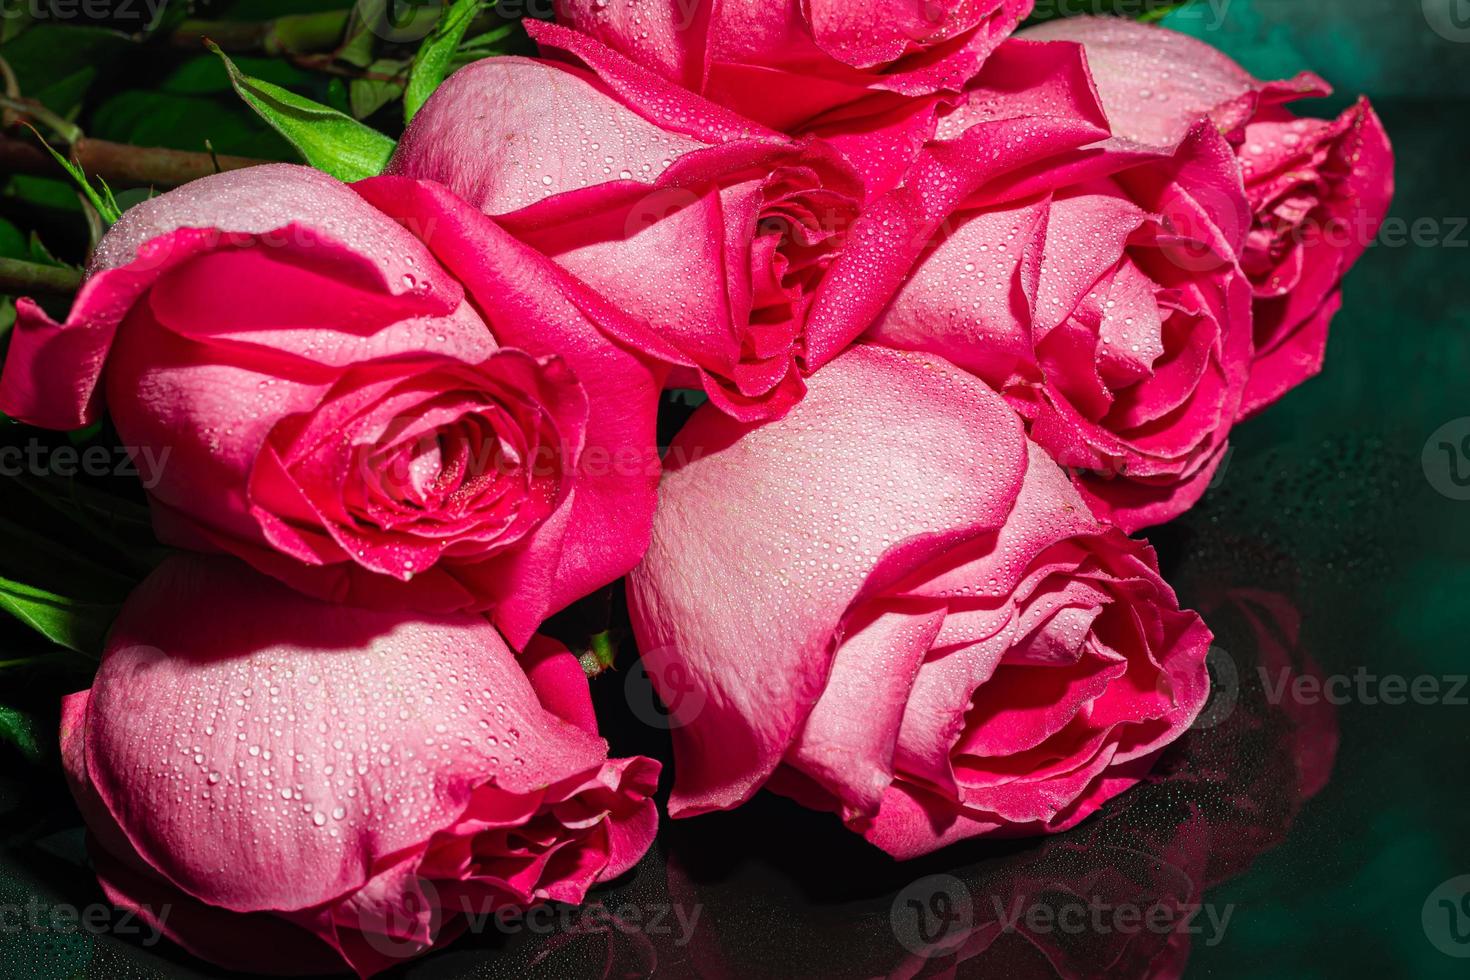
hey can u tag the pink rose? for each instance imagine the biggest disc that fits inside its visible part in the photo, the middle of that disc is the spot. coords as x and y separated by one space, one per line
716 232
371 393
1318 189
890 605
869 77
283 785
1099 293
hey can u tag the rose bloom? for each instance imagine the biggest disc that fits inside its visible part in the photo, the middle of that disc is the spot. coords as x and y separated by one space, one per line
869 77
371 393
288 786
717 233
1099 293
891 605
1318 189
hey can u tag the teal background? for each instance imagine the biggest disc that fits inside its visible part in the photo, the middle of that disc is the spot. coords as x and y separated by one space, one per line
1332 477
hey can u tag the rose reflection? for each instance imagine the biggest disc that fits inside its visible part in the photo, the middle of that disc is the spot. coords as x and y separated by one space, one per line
773 892
1125 895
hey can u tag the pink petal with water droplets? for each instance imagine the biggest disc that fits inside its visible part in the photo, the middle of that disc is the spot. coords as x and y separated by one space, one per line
259 752
1155 83
782 499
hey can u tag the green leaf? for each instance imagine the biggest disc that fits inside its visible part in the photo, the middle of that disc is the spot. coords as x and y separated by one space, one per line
368 95
54 194
17 729
78 626
432 62
1160 12
486 44
329 140
184 122
13 243
1146 11
101 200
602 651
56 63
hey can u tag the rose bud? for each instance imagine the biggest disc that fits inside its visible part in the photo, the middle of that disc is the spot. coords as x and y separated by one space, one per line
1099 294
289 786
1318 189
890 605
424 413
868 77
716 232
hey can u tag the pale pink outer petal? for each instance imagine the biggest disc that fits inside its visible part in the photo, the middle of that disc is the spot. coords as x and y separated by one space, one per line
766 537
634 199
288 778
969 301
848 740
484 137
262 750
52 370
604 122
1155 83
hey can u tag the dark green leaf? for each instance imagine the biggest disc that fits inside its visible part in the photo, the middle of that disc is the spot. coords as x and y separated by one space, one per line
18 730
100 198
185 122
434 56
1147 11
46 192
368 95
13 243
78 626
1161 11
329 140
56 65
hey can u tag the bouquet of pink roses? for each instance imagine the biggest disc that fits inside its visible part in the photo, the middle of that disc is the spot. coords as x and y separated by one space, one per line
965 306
